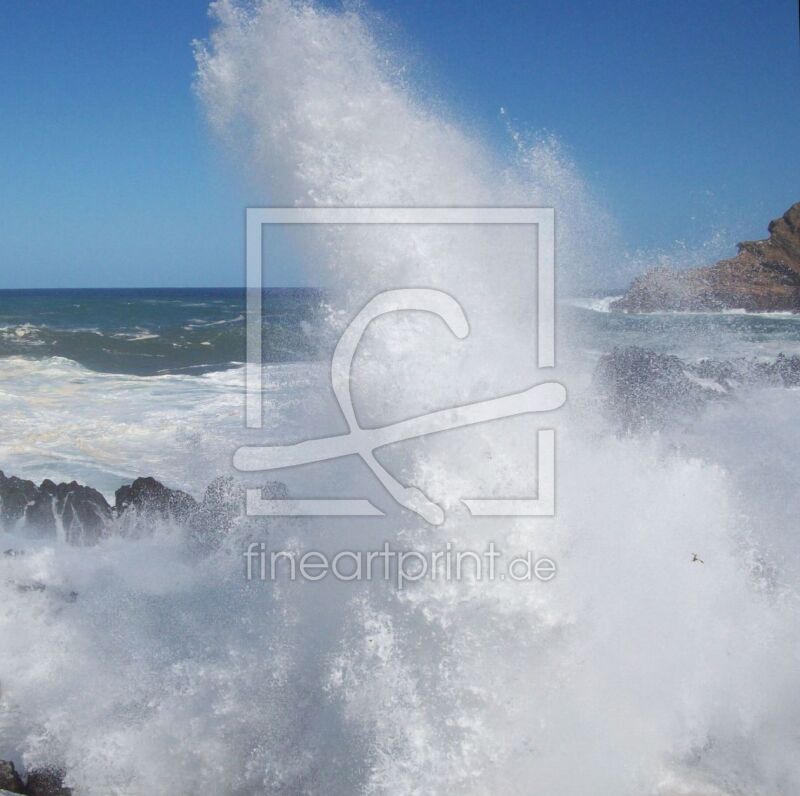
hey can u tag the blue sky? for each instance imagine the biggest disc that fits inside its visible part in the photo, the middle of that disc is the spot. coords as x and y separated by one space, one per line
684 117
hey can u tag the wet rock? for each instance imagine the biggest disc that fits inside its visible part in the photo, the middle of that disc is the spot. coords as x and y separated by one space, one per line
147 494
222 502
10 780
644 390
783 371
722 372
786 370
46 782
146 501
224 507
16 495
221 508
79 513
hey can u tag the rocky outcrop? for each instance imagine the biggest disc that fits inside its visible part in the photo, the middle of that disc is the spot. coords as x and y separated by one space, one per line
77 513
641 390
16 496
220 509
763 277
40 781
145 501
80 515
46 782
10 780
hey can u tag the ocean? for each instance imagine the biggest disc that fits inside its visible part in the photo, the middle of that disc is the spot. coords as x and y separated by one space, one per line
199 676
153 331
81 367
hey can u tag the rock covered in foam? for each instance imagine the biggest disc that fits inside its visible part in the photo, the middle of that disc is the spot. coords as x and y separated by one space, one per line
46 782
40 781
641 390
145 501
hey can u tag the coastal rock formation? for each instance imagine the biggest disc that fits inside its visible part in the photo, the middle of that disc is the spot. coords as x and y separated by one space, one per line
10 780
16 495
221 508
764 276
46 782
145 501
81 515
641 390
40 781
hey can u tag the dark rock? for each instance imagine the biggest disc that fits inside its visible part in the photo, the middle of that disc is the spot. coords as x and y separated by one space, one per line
781 372
16 495
224 507
222 501
146 501
82 512
643 390
10 780
787 369
221 508
763 277
46 782
84 517
724 372
147 494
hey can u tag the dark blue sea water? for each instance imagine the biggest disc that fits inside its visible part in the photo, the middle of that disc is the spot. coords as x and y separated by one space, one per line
150 331
197 330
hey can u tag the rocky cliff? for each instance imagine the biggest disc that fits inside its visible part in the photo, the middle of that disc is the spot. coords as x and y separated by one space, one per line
764 276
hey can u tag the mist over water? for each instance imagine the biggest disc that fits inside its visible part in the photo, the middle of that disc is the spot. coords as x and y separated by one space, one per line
633 672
